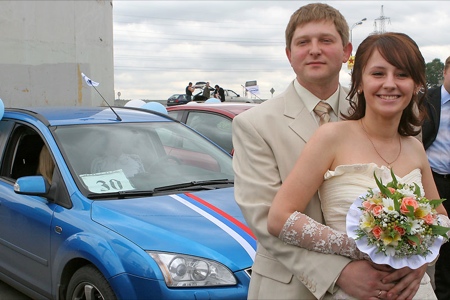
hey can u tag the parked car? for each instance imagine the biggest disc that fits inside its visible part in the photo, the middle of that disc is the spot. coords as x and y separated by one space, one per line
126 204
230 95
211 120
177 99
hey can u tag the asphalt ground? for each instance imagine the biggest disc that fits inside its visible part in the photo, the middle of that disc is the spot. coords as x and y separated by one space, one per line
9 293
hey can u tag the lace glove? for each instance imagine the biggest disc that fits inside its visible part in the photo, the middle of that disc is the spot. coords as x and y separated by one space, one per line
302 231
443 220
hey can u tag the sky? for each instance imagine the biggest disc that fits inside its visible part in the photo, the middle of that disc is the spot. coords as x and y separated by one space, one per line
161 46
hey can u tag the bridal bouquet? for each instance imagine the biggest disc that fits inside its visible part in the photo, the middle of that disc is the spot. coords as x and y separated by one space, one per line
395 224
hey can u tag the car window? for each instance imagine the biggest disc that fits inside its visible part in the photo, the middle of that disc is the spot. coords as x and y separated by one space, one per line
176 114
232 93
5 130
215 127
107 158
23 154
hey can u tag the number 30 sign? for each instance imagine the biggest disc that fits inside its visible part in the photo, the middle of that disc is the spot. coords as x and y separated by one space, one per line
107 182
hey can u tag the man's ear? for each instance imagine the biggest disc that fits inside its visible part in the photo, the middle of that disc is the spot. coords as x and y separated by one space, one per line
347 52
288 54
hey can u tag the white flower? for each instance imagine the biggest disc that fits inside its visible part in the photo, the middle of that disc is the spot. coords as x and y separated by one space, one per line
416 226
390 251
388 205
406 192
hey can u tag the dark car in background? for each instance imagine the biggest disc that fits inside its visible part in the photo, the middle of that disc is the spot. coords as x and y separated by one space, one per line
212 120
177 99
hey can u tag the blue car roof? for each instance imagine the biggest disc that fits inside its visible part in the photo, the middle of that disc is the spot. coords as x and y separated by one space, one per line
71 115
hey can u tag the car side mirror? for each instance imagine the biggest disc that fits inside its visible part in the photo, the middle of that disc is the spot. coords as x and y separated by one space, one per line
31 185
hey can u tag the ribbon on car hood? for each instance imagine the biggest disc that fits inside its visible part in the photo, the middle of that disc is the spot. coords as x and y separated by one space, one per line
233 227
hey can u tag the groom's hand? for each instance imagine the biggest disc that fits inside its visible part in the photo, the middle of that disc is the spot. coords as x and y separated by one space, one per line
362 281
407 282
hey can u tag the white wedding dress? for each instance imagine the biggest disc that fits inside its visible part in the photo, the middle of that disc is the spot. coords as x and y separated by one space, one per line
341 188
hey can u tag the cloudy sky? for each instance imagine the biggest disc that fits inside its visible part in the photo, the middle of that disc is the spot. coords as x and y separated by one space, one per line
159 46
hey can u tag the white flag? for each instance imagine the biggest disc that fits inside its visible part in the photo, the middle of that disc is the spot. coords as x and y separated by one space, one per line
254 89
89 81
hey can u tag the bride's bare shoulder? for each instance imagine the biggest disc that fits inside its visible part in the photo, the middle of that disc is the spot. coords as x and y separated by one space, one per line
337 130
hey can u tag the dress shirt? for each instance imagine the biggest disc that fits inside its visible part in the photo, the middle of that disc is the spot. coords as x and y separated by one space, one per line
311 101
439 151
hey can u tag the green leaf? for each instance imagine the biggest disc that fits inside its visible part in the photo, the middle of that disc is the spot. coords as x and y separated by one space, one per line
417 191
394 179
411 211
382 188
439 230
414 239
436 202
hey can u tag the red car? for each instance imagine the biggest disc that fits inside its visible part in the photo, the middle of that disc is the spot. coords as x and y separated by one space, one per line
212 120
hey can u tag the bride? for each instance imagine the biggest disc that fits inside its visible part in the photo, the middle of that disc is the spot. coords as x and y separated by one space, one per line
341 158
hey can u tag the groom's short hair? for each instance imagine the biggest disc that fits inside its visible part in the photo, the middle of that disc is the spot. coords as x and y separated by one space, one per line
315 12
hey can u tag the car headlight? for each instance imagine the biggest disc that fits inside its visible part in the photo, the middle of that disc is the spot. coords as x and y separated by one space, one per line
182 270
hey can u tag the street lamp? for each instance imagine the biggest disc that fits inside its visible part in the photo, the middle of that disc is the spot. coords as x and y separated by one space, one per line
353 26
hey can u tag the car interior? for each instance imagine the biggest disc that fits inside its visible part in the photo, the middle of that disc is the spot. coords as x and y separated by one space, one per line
26 158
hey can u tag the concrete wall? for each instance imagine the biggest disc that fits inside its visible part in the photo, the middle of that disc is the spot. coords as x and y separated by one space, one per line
46 45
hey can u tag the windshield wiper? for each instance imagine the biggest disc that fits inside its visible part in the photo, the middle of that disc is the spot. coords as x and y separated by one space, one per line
119 195
196 184
202 184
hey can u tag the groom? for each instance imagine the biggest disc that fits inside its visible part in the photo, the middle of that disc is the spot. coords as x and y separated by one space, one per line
268 139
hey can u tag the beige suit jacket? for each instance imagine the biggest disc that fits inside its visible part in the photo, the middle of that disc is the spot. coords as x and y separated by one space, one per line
267 140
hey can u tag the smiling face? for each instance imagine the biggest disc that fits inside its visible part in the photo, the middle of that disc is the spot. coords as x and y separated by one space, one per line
316 54
387 89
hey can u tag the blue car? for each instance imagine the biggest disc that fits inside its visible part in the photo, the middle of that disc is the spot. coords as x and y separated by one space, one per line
117 203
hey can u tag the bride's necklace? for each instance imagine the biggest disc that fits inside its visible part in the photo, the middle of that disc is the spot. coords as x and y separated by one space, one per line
375 148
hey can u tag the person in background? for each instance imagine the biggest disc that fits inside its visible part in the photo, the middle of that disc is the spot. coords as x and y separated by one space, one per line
189 90
46 164
268 139
219 93
436 140
206 91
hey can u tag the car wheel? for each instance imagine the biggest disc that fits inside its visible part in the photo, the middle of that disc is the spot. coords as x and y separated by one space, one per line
88 283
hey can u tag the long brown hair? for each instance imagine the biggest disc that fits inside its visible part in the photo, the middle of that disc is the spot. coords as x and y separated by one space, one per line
401 51
46 164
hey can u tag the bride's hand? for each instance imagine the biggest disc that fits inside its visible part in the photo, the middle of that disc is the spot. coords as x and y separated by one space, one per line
407 282
384 268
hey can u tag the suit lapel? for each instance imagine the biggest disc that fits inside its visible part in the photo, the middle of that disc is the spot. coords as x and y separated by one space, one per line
435 109
303 122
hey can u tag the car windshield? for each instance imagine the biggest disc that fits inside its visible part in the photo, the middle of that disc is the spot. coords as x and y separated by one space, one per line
140 157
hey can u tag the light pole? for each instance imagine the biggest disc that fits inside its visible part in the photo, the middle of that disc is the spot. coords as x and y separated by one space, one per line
353 26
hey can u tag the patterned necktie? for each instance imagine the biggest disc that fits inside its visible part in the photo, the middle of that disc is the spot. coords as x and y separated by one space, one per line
323 109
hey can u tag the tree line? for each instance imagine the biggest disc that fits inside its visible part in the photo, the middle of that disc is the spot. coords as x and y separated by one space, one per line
434 73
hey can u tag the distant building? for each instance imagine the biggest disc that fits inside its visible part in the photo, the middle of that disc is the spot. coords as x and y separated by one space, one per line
46 45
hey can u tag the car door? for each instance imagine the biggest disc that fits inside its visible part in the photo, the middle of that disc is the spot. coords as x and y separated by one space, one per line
214 126
24 220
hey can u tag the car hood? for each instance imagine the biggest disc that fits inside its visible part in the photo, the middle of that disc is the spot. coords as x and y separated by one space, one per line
207 224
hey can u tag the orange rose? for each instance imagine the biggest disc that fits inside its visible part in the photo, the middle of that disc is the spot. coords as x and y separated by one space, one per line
392 190
367 205
429 219
413 243
408 201
377 231
400 230
377 210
